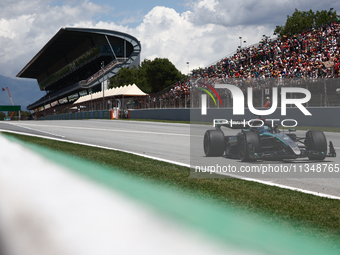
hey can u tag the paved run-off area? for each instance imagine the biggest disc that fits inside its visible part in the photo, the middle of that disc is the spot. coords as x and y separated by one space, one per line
178 143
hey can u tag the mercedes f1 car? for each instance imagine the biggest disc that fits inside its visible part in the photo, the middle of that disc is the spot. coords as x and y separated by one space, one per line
260 141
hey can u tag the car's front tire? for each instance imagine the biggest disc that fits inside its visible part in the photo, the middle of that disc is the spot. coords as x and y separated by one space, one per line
246 138
214 143
316 140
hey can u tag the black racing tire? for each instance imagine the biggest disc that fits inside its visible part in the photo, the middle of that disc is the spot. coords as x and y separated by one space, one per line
214 143
316 140
245 138
227 145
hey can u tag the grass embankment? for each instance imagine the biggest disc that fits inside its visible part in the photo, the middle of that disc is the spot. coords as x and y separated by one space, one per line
306 213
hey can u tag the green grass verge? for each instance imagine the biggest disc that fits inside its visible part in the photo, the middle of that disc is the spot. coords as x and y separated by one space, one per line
305 213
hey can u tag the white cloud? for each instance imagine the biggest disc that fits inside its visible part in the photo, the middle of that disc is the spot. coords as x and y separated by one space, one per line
208 5
165 33
256 12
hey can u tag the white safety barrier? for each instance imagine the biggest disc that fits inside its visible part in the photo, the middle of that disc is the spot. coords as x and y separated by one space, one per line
48 209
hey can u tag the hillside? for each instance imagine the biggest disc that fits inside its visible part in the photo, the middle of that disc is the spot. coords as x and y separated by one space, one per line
23 91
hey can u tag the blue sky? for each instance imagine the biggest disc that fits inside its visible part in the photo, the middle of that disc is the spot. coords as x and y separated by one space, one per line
196 31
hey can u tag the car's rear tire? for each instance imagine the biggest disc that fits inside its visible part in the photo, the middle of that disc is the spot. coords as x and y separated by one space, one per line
214 143
246 138
316 140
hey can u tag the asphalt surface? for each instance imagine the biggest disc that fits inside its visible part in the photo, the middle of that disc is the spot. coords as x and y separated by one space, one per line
183 143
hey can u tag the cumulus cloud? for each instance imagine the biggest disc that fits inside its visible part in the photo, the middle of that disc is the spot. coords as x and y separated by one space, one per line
252 12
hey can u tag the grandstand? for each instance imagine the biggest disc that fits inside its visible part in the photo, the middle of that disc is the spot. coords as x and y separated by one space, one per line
76 62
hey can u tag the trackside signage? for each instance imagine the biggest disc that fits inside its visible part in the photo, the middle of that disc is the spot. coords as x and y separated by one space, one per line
5 108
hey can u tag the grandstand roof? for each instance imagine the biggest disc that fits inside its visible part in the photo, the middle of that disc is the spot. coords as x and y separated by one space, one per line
127 90
66 46
63 42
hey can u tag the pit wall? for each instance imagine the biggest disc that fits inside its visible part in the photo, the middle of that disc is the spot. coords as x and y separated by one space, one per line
80 115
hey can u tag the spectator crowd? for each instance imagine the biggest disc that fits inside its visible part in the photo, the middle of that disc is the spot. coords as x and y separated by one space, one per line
311 54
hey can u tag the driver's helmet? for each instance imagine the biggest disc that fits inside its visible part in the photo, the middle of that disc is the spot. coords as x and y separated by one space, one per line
263 129
260 122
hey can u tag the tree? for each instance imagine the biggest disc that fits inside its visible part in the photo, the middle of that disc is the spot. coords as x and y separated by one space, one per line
2 115
151 76
125 76
160 73
24 114
302 20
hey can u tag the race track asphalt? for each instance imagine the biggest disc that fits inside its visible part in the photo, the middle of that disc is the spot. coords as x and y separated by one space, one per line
183 143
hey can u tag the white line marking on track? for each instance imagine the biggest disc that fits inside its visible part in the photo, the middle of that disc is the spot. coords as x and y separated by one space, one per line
270 183
98 146
109 130
18 125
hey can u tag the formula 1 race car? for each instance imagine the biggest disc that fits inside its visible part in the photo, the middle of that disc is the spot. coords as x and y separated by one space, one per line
260 141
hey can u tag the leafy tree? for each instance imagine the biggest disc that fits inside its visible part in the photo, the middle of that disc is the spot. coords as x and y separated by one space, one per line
152 76
125 76
2 115
303 20
24 114
160 73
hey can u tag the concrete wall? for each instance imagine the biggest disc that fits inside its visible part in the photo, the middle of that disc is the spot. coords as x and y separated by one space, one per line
161 114
321 116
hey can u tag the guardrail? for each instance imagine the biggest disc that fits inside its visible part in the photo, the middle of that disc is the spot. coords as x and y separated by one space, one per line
79 115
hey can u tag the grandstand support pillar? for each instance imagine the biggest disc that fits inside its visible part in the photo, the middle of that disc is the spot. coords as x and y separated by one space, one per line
325 90
102 67
124 49
111 48
307 89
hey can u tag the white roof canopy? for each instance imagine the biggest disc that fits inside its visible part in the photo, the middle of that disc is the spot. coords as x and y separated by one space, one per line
127 90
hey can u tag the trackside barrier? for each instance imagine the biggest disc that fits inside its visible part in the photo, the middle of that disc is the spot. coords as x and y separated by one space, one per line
80 115
114 114
51 203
